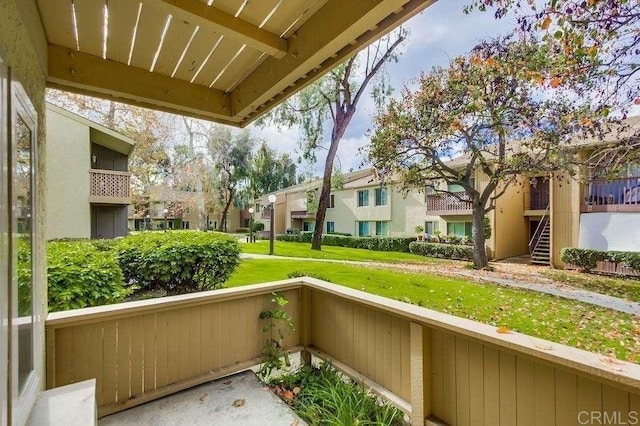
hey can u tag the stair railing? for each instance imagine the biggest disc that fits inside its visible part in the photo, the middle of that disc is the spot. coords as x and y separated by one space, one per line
535 239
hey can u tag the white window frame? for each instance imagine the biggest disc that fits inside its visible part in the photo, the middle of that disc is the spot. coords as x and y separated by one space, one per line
4 248
22 402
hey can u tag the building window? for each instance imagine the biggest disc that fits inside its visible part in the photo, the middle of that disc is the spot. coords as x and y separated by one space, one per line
185 224
308 226
332 201
363 229
381 196
382 228
459 229
331 227
430 227
363 198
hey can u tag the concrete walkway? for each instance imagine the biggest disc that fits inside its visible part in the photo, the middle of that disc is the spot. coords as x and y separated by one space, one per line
241 399
542 285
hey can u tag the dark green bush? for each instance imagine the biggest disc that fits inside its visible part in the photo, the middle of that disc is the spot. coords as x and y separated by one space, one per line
585 259
242 230
446 251
80 275
344 234
178 262
258 226
368 243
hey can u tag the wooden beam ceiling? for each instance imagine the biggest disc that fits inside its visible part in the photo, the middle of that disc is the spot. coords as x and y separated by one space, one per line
198 13
331 35
83 73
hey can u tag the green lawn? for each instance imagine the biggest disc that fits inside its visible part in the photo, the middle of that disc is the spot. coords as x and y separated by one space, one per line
560 320
289 249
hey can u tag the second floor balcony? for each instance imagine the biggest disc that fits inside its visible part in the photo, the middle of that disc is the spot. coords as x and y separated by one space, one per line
455 203
611 195
109 187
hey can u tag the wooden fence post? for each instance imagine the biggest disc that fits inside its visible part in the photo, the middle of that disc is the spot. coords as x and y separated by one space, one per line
420 350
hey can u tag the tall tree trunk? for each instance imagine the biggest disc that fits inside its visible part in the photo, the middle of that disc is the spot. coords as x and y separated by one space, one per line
202 214
480 259
339 127
222 227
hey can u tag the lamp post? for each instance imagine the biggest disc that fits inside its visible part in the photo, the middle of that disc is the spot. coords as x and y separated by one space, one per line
165 219
147 222
251 224
272 199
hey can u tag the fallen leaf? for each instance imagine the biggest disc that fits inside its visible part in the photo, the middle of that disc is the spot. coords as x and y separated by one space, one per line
503 330
228 382
555 82
238 403
545 24
203 397
288 395
265 388
296 390
637 101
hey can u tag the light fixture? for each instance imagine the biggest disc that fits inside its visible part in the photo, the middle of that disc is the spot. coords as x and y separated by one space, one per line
271 198
251 210
94 158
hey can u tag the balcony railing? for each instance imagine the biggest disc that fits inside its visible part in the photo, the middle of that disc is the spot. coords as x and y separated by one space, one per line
427 363
109 187
454 203
302 214
613 195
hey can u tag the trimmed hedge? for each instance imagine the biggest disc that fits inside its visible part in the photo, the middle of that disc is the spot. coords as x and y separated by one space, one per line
446 251
83 274
178 262
586 259
367 243
258 226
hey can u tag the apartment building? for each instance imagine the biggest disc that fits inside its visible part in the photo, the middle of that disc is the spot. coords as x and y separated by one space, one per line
537 215
88 185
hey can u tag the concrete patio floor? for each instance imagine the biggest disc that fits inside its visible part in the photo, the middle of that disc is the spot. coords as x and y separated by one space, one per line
240 399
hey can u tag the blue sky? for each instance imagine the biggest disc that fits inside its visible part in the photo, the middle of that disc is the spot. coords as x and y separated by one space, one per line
439 33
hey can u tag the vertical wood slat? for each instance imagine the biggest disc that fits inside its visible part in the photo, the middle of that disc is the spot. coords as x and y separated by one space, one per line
476 383
462 382
437 374
419 406
449 377
545 401
566 397
525 391
149 352
508 391
136 355
491 386
110 362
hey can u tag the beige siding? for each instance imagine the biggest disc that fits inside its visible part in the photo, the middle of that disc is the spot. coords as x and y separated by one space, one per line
68 158
565 215
510 228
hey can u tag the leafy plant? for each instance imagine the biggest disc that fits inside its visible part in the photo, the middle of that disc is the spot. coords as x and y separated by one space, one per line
326 397
299 274
419 229
81 275
178 262
447 251
279 326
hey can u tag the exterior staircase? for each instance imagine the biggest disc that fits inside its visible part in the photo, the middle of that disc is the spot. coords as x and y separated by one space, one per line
540 244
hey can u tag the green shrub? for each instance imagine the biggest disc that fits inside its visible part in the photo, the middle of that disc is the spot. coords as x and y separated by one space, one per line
344 234
368 243
446 251
81 274
178 262
585 259
258 226
242 230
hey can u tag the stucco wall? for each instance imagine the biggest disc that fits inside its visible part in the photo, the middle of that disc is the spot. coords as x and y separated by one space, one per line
565 215
68 160
23 47
510 228
610 231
